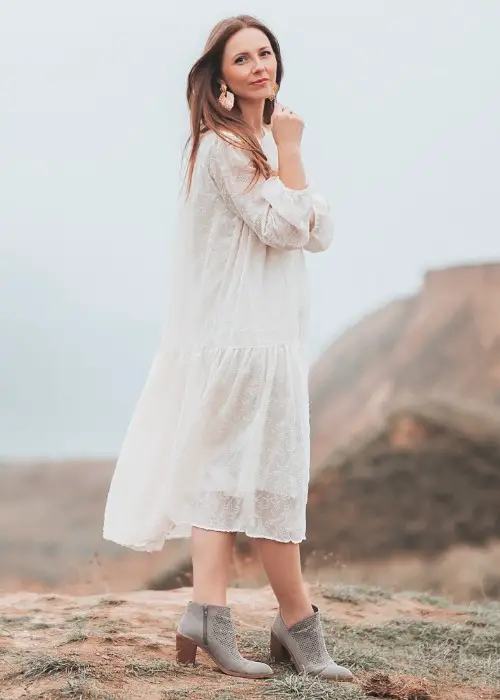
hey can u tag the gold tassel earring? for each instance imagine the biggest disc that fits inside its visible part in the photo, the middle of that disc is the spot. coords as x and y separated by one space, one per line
226 98
274 92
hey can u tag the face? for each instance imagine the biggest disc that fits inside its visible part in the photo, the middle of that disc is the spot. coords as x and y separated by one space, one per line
249 65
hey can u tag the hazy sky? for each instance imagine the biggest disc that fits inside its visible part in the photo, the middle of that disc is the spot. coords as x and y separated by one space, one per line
402 105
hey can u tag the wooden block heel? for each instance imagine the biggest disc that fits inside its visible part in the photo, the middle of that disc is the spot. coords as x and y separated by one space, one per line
186 650
278 651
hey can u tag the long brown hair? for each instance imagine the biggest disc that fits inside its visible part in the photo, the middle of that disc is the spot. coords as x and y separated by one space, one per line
203 90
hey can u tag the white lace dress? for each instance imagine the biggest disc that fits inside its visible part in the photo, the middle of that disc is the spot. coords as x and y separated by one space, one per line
220 435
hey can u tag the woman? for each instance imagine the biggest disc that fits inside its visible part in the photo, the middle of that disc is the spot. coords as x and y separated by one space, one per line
219 440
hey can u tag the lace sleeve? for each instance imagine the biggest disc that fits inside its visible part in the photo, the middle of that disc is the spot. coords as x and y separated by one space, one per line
278 215
322 233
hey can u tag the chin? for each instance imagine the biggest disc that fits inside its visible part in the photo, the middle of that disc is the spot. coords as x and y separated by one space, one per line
257 95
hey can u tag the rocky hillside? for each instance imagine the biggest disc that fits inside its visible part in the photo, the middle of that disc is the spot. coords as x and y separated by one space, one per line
427 481
442 344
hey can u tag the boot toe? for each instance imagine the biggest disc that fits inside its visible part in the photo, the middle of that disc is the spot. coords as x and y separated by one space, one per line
338 673
256 668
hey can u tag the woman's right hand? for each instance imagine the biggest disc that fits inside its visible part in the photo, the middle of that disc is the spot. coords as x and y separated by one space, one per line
287 127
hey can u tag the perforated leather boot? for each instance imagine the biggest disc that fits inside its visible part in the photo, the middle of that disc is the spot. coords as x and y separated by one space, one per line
304 644
211 628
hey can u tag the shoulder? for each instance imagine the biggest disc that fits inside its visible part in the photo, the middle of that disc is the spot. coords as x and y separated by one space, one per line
224 146
224 136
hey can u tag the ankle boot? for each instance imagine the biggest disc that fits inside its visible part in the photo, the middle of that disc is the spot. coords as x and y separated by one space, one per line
211 628
304 644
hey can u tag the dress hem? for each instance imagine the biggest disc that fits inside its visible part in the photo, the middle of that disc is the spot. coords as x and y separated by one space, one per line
244 532
157 545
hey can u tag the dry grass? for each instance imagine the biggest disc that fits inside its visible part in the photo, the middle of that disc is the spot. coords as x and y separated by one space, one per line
78 635
115 626
157 667
35 667
111 602
183 694
8 623
463 653
76 689
303 688
350 593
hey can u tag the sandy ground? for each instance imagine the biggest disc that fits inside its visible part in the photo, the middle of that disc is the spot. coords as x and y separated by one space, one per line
100 638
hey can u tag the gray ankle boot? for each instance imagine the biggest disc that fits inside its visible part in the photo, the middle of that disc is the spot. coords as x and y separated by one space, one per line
304 644
211 628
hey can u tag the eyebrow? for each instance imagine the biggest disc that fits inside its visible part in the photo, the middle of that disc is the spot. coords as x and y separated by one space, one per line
243 53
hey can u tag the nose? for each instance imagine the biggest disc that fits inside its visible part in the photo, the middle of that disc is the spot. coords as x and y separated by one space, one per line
258 65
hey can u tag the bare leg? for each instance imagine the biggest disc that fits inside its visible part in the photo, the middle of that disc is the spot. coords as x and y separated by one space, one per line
211 552
281 562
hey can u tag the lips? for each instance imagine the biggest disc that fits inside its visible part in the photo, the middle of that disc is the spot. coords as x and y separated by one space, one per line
260 82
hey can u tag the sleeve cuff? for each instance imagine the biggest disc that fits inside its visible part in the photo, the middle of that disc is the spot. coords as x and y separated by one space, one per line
292 205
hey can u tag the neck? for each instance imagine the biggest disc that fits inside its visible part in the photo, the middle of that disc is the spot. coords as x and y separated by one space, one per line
253 113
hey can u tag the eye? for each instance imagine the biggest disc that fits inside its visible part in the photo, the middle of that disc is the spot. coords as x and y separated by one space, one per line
264 52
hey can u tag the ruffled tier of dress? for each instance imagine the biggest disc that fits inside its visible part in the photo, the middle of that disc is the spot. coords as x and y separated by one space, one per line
219 439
